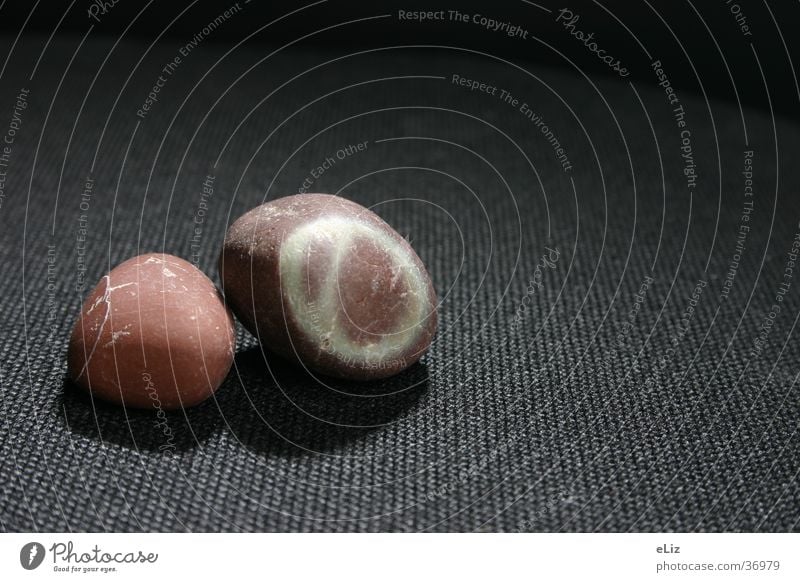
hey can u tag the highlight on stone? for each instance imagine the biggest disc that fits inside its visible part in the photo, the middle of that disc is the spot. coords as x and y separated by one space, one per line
154 333
326 282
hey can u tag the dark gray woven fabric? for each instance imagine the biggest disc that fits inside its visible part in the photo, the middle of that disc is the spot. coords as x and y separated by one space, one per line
538 407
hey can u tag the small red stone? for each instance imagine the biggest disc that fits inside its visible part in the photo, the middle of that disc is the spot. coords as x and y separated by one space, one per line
153 333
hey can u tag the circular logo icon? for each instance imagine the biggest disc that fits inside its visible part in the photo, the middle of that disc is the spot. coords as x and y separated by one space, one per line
31 555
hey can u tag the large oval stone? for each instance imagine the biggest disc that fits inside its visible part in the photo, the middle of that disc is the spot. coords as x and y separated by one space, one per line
326 282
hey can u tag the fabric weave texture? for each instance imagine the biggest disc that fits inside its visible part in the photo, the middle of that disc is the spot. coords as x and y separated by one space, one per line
574 385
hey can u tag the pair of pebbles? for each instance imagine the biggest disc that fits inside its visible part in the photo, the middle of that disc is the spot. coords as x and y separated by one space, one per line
318 279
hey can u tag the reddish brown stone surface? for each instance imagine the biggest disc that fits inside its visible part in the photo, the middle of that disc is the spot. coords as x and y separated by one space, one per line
324 281
153 333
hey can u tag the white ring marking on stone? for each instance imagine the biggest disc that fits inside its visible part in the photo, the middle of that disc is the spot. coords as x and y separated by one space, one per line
318 319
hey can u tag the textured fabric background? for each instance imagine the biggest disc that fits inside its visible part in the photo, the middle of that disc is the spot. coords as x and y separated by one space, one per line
542 405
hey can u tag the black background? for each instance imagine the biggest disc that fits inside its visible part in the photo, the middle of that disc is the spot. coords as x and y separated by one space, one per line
705 31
